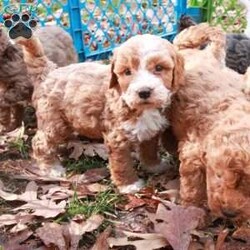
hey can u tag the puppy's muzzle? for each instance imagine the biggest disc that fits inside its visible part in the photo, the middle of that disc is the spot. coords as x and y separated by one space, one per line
145 93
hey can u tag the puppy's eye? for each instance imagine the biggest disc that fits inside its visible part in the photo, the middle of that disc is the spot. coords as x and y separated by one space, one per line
127 72
158 68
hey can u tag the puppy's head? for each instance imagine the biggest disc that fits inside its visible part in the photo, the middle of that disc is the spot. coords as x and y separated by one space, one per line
146 70
228 180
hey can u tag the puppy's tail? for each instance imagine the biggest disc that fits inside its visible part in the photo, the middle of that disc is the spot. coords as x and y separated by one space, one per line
38 64
200 36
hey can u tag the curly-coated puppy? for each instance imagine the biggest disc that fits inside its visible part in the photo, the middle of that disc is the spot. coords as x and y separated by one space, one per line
211 119
123 103
58 45
15 86
237 47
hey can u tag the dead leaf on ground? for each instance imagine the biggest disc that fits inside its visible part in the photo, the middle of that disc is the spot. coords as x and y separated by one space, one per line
175 223
242 233
44 208
221 239
12 219
134 221
76 230
30 193
52 235
15 241
88 149
147 241
90 176
134 202
57 193
102 240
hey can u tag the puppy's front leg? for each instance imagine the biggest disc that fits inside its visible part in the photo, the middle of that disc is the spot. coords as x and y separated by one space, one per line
121 164
150 158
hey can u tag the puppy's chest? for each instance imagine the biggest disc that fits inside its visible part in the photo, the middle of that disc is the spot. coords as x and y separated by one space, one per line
145 127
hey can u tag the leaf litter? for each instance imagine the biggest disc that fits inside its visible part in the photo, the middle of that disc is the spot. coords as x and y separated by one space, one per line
151 219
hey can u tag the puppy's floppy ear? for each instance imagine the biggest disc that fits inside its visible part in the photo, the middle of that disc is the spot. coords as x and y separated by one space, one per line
113 80
178 73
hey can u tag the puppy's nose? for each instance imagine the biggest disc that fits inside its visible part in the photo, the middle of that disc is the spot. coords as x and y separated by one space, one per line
144 93
230 213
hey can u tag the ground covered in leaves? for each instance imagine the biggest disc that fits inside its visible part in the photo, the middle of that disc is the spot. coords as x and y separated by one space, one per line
84 210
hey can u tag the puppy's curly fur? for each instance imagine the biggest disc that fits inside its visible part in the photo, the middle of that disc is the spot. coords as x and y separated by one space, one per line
237 47
16 85
211 120
123 103
58 45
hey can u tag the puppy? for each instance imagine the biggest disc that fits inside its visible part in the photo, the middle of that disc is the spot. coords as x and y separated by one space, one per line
123 103
237 46
210 118
16 85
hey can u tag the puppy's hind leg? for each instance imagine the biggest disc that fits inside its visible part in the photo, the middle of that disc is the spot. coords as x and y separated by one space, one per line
50 134
193 175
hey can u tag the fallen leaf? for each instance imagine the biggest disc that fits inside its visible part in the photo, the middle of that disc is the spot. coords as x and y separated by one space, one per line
18 228
90 149
30 193
242 233
14 243
97 187
76 230
52 234
57 193
102 240
12 219
134 202
90 176
44 208
147 241
221 239
176 222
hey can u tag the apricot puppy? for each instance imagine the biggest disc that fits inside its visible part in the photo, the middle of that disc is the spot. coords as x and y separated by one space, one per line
123 103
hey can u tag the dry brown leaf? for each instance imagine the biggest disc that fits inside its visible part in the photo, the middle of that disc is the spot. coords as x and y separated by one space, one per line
221 239
30 193
90 176
176 222
12 219
76 230
14 243
52 235
242 233
97 187
18 228
90 149
148 241
44 208
57 193
134 202
102 240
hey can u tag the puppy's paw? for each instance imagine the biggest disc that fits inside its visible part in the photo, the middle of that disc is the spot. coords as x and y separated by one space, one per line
132 188
160 168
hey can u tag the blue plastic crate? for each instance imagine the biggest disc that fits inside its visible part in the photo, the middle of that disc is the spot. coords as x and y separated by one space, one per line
98 26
